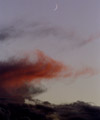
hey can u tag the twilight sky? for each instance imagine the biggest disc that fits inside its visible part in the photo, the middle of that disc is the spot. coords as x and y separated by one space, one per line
70 35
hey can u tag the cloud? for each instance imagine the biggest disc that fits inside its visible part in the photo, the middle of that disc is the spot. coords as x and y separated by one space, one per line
17 72
19 77
78 111
86 71
9 32
16 75
90 39
34 29
42 30
53 39
46 111
21 93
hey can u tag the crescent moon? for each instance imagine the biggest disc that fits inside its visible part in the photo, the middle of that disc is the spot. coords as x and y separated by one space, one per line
55 7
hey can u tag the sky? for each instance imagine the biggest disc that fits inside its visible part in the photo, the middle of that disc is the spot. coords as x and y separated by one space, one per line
66 40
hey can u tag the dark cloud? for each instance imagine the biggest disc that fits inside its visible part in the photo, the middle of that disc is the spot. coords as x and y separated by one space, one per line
78 111
21 93
42 111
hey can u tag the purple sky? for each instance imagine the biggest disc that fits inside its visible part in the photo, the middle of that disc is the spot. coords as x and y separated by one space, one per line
71 34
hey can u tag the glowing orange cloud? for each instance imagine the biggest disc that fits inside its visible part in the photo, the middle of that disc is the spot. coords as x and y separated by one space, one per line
16 73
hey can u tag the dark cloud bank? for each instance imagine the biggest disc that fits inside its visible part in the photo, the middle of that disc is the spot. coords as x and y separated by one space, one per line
47 111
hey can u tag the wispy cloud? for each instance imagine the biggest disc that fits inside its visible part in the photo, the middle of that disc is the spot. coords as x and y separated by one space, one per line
64 38
85 71
35 29
90 39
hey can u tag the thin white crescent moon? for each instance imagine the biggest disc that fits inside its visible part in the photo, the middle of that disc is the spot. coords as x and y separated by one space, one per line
56 7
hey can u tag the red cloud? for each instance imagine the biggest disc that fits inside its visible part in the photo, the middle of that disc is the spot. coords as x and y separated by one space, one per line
16 73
